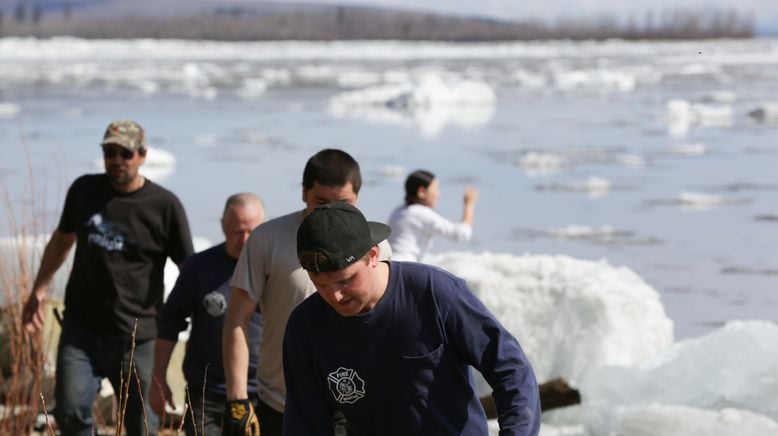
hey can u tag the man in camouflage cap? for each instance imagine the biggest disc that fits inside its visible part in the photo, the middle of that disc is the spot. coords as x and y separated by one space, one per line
126 139
124 227
126 133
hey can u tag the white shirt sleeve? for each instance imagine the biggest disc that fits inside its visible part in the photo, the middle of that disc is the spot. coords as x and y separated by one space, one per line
413 228
436 225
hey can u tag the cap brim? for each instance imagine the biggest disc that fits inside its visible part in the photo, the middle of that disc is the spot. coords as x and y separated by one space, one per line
112 140
378 231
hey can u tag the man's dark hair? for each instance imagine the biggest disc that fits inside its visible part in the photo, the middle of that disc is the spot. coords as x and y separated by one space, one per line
315 261
332 167
417 179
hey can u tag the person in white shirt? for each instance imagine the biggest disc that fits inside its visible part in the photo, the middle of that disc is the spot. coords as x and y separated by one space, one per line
416 222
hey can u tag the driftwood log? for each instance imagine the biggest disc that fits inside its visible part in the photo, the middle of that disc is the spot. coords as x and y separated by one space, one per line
554 394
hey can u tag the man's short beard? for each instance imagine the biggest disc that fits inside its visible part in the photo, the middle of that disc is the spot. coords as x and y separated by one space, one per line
122 180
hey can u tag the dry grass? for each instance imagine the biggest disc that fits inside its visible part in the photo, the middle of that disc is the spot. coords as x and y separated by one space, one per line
24 360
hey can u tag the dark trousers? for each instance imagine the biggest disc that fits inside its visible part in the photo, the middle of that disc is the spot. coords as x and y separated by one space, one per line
84 358
271 421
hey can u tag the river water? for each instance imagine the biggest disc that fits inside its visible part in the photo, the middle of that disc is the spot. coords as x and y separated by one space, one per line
639 153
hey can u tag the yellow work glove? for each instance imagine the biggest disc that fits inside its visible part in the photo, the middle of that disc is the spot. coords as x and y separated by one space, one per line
239 419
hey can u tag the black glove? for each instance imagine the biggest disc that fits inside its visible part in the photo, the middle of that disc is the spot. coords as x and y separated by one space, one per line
239 419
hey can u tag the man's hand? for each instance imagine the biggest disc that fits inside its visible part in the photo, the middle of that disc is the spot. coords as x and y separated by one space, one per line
239 419
32 314
160 395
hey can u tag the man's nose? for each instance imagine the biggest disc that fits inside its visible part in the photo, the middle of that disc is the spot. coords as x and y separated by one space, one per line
334 290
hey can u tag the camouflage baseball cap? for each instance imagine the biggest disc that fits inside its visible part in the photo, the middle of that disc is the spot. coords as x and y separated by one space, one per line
126 133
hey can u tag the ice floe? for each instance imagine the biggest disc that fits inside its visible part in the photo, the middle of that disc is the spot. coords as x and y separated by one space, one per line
703 200
540 162
430 102
681 114
9 110
765 112
396 172
599 79
605 234
720 96
593 186
690 149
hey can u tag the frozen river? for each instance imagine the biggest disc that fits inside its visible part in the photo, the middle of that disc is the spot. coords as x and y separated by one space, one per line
657 157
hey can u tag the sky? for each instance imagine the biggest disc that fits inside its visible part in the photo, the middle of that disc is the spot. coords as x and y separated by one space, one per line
765 12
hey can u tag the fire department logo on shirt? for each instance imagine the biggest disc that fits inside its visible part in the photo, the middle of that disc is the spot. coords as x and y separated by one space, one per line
346 385
215 303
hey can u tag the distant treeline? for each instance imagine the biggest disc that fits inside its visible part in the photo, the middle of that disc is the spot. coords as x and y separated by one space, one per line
354 22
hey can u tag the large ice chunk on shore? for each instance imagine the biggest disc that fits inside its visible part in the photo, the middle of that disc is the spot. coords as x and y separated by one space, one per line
571 316
734 367
667 420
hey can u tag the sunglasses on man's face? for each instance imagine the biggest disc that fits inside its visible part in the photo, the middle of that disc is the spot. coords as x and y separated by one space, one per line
111 152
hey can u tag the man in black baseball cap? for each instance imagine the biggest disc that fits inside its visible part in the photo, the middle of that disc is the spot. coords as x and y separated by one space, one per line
340 233
329 242
389 344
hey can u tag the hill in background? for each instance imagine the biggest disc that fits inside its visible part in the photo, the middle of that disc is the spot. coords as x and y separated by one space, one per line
235 20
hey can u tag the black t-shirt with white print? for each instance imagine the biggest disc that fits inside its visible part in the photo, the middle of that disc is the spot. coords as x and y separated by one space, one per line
123 241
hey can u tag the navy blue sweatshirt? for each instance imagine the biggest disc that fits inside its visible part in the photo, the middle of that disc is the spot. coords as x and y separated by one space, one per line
202 292
403 367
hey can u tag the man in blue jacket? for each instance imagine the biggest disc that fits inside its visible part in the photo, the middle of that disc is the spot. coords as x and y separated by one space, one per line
201 293
389 344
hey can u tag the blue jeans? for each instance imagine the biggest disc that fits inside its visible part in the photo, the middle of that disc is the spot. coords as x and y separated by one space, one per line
84 358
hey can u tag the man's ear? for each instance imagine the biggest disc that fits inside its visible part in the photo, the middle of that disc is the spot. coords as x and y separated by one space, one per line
374 254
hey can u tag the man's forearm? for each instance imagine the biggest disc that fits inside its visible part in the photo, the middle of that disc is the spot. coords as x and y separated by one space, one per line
163 350
54 256
236 362
235 347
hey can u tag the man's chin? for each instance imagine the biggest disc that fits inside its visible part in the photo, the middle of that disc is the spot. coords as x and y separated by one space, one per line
118 179
348 309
